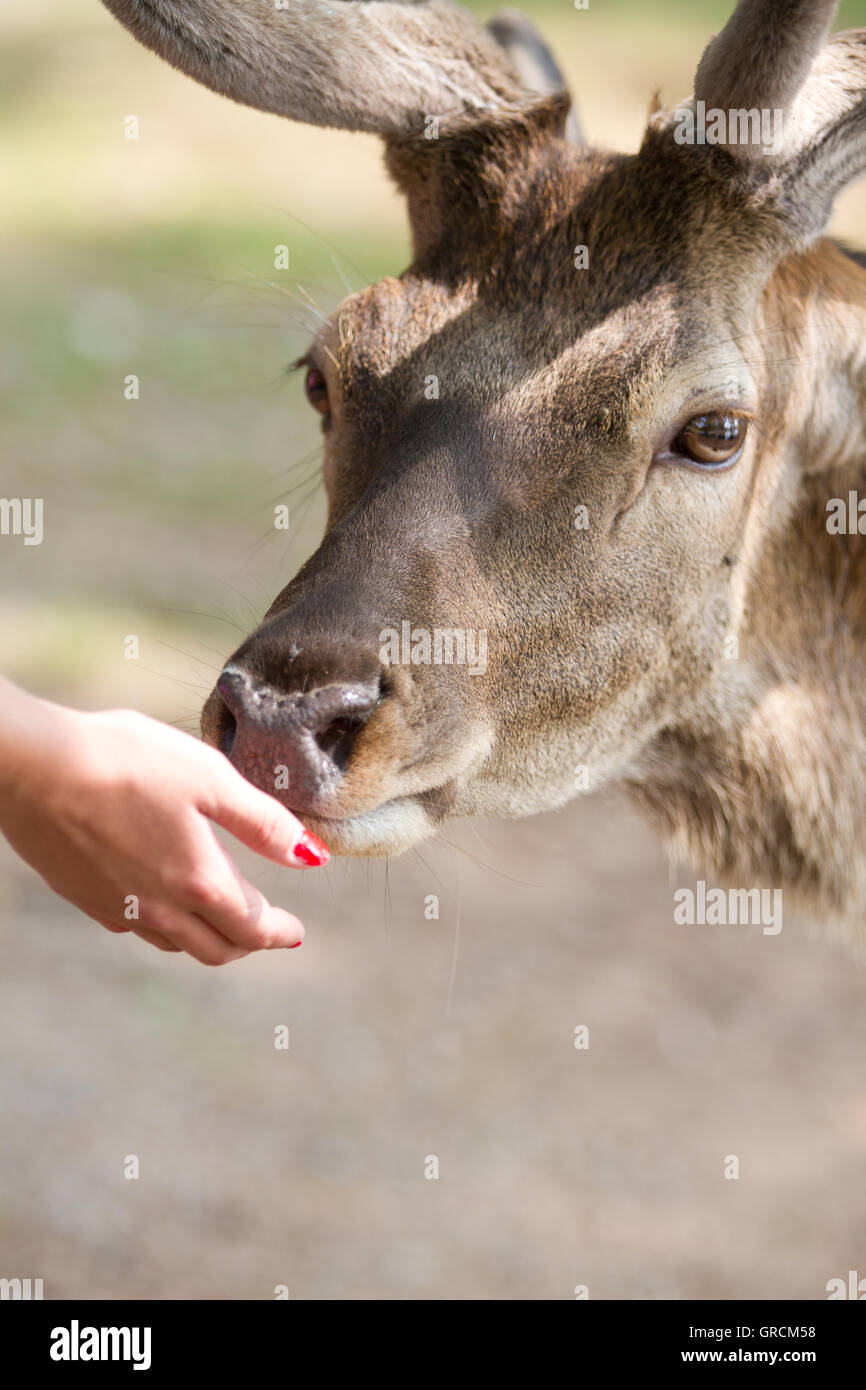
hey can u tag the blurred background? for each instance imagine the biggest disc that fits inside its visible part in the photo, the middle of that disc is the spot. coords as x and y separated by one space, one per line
409 1036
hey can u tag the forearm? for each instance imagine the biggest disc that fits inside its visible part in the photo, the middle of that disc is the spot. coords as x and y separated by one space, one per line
28 730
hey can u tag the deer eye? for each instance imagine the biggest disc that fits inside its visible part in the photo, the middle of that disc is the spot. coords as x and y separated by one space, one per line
317 391
711 439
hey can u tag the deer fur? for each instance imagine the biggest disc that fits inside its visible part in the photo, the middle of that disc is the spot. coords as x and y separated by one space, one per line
702 640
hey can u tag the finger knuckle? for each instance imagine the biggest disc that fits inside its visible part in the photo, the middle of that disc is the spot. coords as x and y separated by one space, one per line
261 938
202 890
155 919
264 828
214 956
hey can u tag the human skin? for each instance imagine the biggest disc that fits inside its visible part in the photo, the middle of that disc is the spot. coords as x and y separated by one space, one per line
116 812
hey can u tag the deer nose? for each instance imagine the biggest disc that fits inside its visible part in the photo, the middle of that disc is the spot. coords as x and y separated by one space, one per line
296 743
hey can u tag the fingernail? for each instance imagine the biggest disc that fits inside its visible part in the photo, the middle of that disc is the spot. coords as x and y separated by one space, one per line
296 945
311 851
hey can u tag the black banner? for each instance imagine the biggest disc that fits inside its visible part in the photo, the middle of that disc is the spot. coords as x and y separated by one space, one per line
82 1339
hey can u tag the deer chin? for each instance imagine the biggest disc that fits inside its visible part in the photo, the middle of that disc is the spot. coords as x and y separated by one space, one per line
389 829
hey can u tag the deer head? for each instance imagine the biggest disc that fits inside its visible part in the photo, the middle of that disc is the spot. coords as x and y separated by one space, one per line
585 444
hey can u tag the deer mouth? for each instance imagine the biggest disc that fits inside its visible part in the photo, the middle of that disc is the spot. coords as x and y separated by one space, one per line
388 829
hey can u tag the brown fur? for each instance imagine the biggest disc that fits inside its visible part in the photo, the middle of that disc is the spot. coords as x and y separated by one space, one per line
703 639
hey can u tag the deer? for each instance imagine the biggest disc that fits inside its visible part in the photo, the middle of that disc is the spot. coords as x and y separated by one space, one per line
650 392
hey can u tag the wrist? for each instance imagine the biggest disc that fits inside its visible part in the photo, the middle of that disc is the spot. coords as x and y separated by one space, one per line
35 737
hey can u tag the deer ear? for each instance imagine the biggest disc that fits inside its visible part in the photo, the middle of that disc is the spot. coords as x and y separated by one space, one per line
823 144
384 67
772 60
533 62
763 55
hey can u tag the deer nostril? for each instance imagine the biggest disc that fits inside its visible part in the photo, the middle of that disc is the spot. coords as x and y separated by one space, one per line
337 739
228 731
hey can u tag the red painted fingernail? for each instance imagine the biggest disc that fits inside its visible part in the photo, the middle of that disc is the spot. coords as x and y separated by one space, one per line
296 945
311 851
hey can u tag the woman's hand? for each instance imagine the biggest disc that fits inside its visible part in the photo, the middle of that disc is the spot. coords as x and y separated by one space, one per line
114 810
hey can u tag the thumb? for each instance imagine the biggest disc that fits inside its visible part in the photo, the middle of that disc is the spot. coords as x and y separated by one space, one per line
260 822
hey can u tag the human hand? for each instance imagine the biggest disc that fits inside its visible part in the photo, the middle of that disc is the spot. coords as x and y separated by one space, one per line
115 811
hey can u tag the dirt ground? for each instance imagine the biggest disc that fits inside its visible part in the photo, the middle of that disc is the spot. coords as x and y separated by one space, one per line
454 1037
